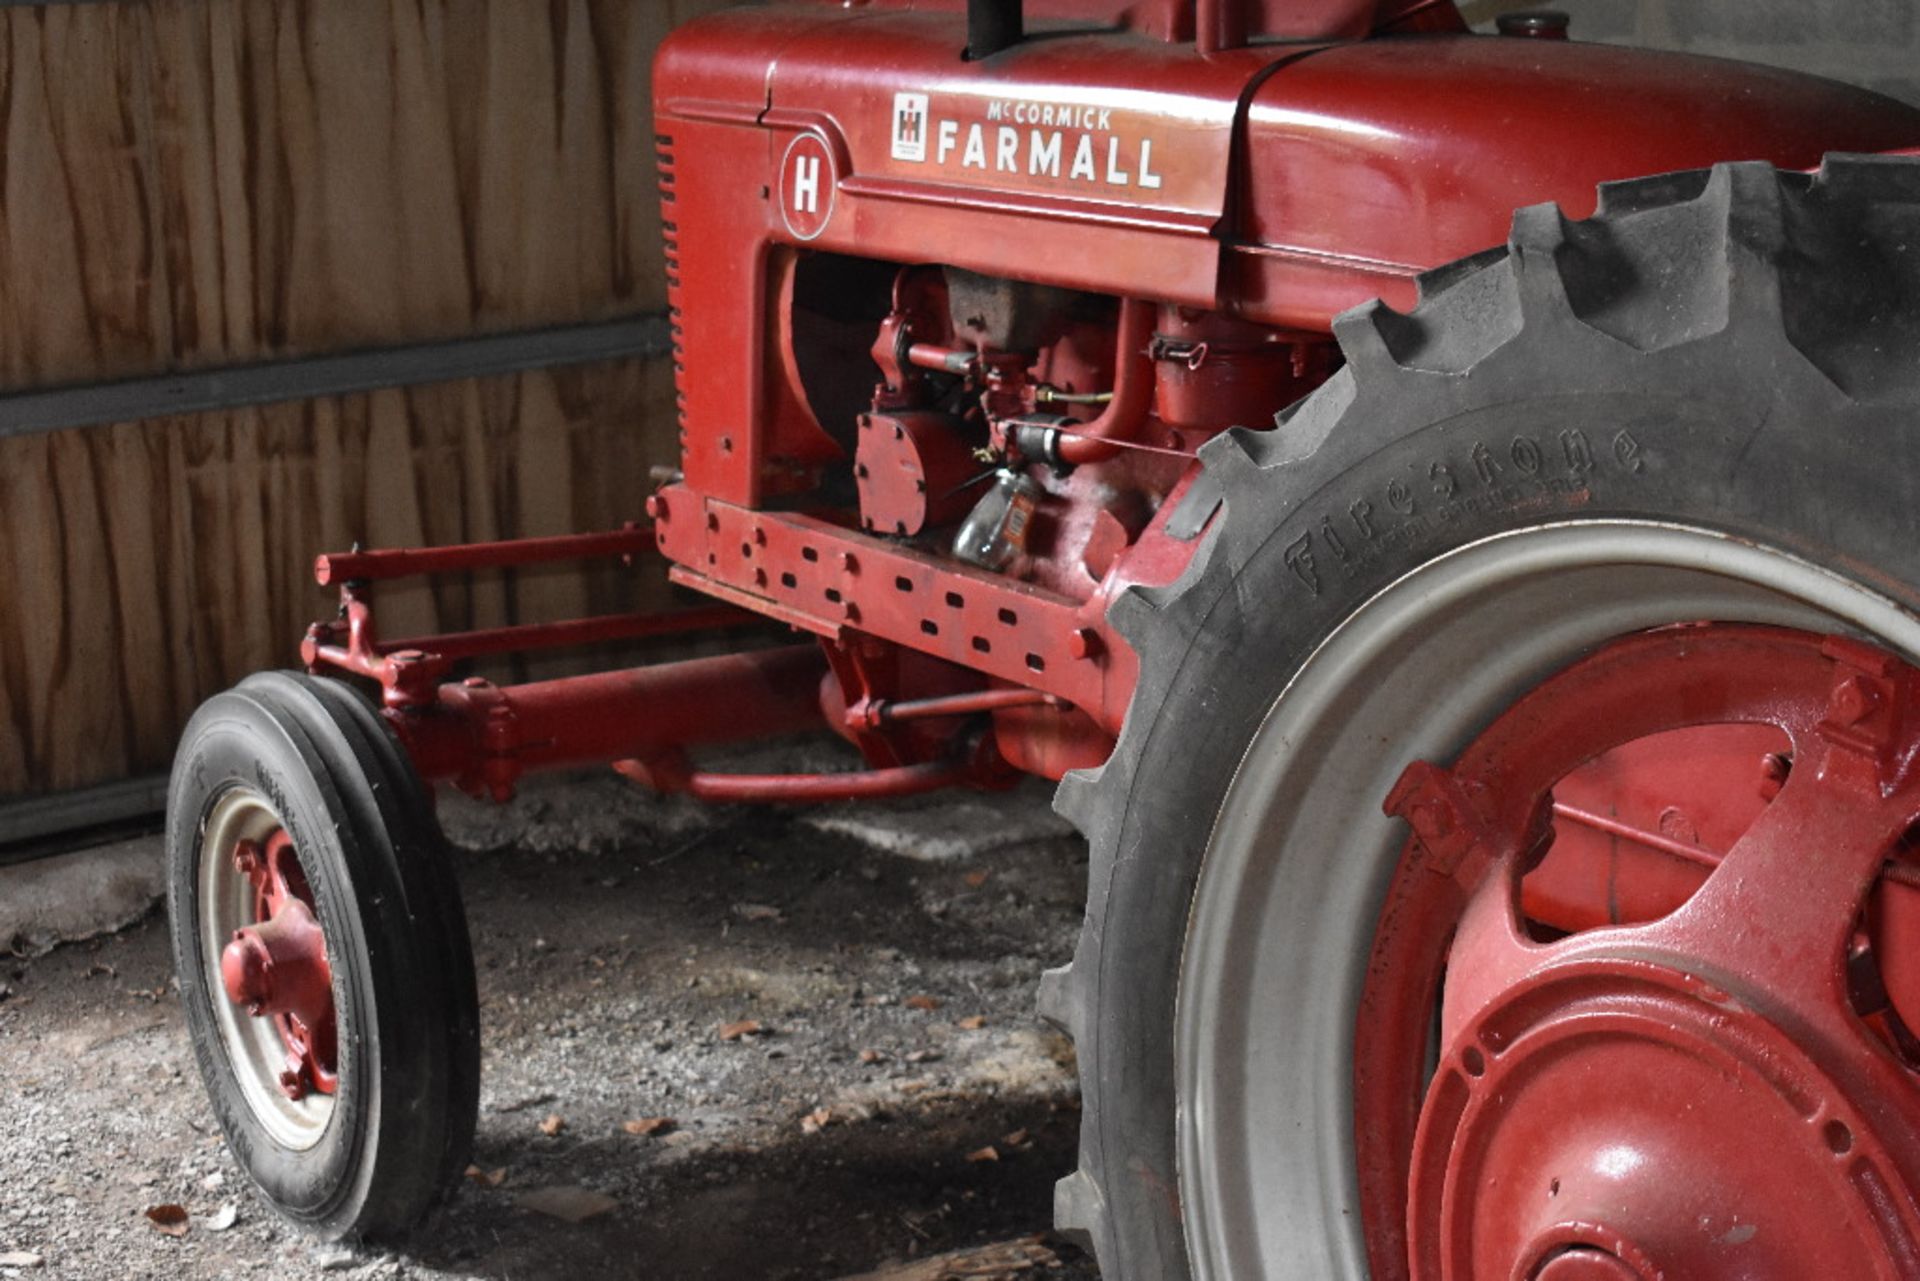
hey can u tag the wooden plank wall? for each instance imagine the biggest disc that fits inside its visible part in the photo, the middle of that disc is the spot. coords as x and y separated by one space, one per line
195 183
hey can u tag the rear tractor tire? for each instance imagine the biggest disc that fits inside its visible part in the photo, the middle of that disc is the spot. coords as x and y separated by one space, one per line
1319 1041
322 956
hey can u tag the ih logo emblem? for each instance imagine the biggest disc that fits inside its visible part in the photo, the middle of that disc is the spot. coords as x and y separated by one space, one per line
910 126
808 183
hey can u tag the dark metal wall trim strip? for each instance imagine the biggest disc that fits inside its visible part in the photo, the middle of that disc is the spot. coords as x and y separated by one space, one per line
235 386
28 823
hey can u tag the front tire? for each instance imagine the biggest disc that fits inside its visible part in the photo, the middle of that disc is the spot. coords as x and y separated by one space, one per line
322 957
1703 404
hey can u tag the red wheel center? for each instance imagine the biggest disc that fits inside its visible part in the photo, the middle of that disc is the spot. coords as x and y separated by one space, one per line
1584 1265
277 968
1713 1086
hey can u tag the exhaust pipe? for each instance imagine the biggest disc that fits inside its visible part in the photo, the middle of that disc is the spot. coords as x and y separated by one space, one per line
992 25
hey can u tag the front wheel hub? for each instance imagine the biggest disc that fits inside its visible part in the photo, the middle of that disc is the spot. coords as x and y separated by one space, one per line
279 967
1712 1090
275 969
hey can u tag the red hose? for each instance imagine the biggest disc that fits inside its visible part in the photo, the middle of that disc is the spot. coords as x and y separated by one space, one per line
1126 413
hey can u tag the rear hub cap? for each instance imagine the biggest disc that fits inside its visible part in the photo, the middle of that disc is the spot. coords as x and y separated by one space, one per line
1716 1083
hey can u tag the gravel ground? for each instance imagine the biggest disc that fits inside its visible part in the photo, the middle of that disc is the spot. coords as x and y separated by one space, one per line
899 1098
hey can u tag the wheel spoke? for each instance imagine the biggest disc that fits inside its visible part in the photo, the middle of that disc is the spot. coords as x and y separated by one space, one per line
1786 900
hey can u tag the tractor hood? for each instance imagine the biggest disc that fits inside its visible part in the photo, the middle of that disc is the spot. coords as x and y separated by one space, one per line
1285 181
1414 152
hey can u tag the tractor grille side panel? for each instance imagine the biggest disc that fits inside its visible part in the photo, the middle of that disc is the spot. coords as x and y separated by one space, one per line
670 235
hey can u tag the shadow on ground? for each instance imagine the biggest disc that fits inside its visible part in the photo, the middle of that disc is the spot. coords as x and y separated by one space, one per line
896 1097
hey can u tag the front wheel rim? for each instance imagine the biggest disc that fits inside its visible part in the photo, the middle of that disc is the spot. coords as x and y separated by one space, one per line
268 979
1265 1035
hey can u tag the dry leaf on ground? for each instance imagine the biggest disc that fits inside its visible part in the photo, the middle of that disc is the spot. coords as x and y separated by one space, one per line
744 1027
1015 1140
816 1121
973 1022
922 1002
170 1219
758 912
1001 1262
646 1125
988 1153
487 1178
567 1202
553 1125
871 1056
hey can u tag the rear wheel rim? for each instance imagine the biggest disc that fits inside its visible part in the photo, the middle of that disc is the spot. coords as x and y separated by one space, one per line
1277 953
285 1064
1637 1096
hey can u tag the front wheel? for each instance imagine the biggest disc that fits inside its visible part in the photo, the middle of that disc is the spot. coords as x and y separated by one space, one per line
322 956
1505 868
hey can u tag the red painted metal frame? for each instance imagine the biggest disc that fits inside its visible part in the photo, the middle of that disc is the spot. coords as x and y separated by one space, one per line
485 737
811 789
1273 183
410 671
338 568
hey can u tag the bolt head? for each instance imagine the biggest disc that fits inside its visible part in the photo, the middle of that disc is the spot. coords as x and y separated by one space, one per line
1431 821
1853 701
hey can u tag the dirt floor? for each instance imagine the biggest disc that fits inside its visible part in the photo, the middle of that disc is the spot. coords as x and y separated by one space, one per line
898 1098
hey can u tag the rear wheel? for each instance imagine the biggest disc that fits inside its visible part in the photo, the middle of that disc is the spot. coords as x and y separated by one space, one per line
322 956
1544 1037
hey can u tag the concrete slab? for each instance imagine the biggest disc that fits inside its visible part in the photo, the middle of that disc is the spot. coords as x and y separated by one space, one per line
901 1099
950 827
77 896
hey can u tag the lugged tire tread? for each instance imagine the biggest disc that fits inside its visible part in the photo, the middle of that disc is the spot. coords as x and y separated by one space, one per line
1745 218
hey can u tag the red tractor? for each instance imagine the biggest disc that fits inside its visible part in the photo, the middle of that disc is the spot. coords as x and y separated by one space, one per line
1483 674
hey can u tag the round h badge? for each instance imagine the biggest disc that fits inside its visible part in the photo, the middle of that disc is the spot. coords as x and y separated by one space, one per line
808 182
